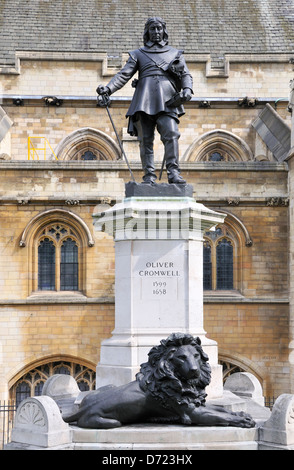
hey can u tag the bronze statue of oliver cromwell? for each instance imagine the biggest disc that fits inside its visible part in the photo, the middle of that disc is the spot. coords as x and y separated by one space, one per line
164 84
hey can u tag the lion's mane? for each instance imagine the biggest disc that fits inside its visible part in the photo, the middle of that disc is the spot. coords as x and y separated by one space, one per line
158 377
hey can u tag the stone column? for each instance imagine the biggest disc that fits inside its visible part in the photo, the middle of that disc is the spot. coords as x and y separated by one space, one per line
158 281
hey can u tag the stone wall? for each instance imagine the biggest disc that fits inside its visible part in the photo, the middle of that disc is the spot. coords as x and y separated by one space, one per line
250 327
263 75
57 123
38 332
254 336
251 324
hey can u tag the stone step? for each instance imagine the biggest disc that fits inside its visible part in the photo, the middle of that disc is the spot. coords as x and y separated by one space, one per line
165 437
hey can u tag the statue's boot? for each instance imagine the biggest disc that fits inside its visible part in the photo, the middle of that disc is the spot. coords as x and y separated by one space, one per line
146 140
147 159
170 135
172 162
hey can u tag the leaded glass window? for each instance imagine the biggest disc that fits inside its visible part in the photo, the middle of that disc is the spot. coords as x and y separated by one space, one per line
46 265
58 258
224 265
69 267
88 156
216 157
31 384
38 388
23 391
219 259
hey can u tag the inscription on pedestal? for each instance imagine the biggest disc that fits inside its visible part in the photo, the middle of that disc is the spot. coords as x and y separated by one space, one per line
159 280
159 289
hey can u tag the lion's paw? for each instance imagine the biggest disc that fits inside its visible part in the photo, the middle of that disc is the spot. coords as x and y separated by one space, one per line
244 420
185 419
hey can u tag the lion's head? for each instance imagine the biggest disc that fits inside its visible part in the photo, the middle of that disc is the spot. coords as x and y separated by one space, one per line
177 371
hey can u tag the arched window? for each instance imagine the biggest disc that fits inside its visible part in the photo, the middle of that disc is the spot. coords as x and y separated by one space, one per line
88 144
31 384
57 242
220 259
218 146
58 258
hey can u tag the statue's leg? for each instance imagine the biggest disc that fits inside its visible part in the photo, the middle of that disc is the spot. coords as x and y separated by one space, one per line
169 134
210 415
145 127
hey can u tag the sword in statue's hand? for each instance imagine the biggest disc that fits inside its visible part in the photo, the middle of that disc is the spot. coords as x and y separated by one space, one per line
103 100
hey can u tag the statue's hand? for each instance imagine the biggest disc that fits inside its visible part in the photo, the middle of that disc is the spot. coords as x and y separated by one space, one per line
187 94
103 90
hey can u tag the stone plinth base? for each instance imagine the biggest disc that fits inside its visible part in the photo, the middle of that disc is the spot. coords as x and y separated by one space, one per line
158 190
156 438
167 437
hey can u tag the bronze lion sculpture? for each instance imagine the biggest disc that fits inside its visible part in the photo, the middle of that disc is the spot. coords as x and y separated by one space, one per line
170 388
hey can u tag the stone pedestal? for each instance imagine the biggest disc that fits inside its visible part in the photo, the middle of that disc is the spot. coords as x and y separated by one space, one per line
158 281
277 433
38 425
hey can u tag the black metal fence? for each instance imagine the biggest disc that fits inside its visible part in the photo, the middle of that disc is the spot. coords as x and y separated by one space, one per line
269 402
7 413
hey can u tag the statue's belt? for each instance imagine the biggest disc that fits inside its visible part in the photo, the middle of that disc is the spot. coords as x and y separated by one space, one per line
160 74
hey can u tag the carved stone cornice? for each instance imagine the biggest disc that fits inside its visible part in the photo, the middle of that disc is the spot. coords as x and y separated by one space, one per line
277 201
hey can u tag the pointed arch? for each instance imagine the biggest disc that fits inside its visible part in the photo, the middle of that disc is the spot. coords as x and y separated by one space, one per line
30 379
33 363
56 226
238 226
53 215
87 139
232 146
245 365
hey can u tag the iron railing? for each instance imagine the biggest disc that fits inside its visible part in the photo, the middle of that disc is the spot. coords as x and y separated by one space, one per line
7 413
269 402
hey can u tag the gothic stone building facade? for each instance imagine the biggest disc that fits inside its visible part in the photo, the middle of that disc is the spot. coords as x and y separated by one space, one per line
60 163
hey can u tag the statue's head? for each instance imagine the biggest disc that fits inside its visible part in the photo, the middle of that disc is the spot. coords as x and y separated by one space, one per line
177 371
154 27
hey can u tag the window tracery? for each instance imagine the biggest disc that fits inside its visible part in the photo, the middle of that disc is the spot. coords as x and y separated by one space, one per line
56 242
58 258
229 368
31 384
218 155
